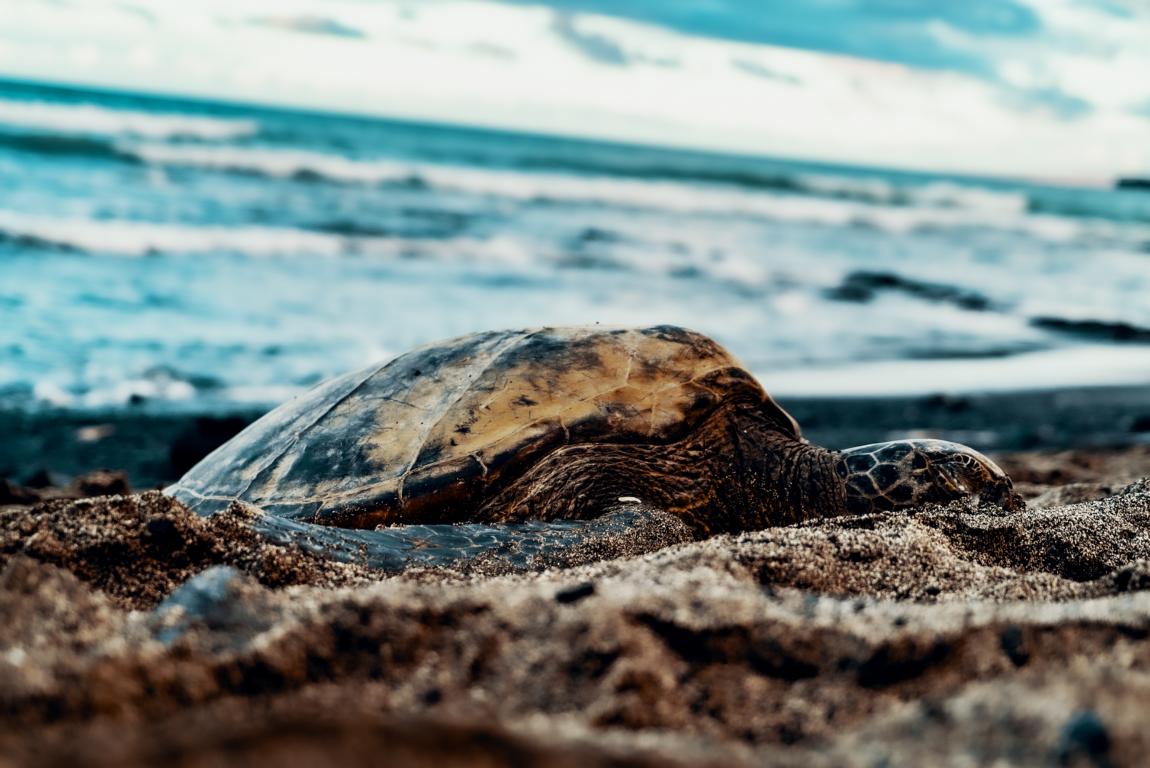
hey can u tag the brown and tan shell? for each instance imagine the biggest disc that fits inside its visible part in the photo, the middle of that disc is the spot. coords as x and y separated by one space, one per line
430 435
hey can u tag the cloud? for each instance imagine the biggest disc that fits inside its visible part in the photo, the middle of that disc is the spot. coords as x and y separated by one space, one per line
885 30
1141 110
581 33
758 70
1116 8
595 46
142 13
315 25
1053 91
1053 101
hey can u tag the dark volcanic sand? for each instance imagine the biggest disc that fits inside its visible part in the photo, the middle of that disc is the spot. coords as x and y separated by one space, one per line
135 633
956 636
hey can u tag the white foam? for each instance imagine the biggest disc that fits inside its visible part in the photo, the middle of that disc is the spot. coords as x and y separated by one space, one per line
943 205
137 239
261 395
944 194
91 119
274 162
115 394
863 189
129 238
937 194
1079 366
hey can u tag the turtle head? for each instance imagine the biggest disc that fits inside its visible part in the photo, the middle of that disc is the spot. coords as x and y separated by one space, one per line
906 473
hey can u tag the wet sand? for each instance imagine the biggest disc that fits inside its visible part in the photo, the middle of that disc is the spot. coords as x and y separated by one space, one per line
136 634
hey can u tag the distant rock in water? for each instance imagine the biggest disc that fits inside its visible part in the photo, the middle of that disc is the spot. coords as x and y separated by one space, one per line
863 286
1133 182
1101 330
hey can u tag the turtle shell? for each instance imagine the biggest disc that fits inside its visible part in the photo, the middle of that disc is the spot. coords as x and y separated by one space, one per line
429 435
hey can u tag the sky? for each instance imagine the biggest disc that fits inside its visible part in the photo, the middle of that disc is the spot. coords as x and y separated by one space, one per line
1049 89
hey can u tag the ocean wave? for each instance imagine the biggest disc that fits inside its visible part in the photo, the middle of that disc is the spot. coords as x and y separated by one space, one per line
139 239
60 145
936 194
160 386
861 187
302 164
978 208
129 391
92 119
130 238
277 163
1103 204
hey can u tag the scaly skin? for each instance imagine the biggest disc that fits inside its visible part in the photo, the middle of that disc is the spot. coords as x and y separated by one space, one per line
737 472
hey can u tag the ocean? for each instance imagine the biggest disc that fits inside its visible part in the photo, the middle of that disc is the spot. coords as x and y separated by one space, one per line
175 254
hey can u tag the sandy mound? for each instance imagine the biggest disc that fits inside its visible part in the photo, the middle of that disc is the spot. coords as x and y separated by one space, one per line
135 633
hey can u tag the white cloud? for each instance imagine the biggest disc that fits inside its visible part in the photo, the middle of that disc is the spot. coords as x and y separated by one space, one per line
433 60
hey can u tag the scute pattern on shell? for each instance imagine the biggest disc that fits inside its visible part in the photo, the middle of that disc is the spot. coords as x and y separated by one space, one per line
425 437
887 477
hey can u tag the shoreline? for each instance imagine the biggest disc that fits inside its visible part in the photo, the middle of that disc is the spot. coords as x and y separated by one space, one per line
1123 362
154 448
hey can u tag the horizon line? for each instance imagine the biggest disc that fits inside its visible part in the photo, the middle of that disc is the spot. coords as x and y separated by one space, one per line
204 99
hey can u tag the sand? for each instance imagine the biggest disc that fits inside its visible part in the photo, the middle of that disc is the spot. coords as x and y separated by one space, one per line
138 634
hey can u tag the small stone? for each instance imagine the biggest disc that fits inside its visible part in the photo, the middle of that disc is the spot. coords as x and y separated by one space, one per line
1084 735
103 483
163 534
212 599
575 594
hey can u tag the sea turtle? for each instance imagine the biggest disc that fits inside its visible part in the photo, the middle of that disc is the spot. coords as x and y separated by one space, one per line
556 424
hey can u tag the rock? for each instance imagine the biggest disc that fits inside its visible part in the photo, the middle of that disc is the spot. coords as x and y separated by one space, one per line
221 600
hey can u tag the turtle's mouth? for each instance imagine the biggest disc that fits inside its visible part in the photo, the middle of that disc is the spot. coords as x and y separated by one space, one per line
987 484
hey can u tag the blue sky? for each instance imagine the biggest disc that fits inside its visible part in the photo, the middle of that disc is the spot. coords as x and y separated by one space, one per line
1051 88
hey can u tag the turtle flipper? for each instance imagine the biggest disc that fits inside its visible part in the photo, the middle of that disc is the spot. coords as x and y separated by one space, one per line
512 547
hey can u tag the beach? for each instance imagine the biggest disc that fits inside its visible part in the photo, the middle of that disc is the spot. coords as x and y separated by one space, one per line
137 633
173 267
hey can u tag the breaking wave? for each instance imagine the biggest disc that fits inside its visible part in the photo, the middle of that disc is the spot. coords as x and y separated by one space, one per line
139 239
92 119
303 164
938 205
62 145
130 238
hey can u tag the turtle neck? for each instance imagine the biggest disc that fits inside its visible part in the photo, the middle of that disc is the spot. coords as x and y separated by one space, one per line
784 479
